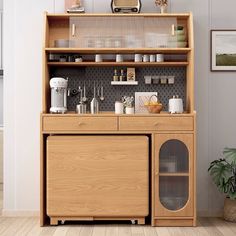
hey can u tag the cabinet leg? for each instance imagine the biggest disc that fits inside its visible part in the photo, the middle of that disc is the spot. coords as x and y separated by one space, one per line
141 221
53 221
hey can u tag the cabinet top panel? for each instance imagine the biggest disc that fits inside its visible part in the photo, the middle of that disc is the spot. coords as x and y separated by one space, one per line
65 16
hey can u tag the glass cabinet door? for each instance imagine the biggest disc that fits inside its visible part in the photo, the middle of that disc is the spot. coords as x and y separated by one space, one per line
160 32
122 32
173 181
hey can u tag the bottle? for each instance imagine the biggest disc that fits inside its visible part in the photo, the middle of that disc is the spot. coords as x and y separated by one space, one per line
94 105
115 76
122 75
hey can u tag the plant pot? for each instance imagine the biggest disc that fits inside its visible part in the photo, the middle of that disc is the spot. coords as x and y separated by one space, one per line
230 210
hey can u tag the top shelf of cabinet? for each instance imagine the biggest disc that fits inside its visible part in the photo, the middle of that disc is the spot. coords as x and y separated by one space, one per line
119 50
67 15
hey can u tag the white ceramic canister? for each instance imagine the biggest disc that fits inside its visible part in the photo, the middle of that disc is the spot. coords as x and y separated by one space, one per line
119 107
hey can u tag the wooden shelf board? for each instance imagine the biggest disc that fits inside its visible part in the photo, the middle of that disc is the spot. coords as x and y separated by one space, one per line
119 50
68 15
134 64
173 174
124 82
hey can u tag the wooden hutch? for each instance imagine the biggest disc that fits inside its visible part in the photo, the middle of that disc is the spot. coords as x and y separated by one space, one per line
116 167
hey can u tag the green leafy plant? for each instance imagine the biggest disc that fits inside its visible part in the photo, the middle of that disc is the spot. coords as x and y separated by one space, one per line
223 173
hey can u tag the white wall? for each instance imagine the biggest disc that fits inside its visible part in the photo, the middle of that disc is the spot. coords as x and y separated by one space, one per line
214 91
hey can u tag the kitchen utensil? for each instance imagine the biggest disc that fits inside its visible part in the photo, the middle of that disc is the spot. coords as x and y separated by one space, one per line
119 107
146 58
84 99
138 58
98 58
154 107
176 105
94 105
102 98
58 95
119 58
81 108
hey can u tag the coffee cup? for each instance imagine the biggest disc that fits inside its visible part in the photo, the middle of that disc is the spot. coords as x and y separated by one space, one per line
159 58
98 58
146 58
138 57
119 58
152 58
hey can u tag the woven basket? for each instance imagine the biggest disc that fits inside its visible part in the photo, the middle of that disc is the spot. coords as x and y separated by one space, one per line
230 210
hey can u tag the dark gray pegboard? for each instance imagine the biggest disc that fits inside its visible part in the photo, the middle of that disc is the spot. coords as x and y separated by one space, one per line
103 75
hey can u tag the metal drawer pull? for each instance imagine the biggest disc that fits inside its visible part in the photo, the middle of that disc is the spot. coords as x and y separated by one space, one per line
156 124
80 123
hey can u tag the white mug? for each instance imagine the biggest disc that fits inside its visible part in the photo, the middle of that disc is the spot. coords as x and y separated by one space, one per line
138 57
152 58
146 58
159 58
119 58
98 58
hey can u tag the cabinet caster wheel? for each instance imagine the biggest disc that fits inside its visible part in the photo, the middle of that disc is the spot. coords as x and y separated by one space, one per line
63 222
133 222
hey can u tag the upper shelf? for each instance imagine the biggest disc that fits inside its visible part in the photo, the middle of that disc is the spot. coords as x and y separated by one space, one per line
119 50
68 15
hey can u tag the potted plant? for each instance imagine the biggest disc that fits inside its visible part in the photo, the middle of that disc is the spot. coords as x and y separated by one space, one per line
162 4
223 173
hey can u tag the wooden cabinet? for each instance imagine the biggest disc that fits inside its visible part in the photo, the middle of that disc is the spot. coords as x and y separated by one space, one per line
174 178
96 167
97 177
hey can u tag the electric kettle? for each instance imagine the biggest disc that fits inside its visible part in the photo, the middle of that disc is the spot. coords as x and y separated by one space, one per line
176 105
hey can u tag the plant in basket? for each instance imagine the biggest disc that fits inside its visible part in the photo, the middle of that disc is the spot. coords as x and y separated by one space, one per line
223 173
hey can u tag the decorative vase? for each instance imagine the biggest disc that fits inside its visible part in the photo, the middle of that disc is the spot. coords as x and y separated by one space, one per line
230 210
163 9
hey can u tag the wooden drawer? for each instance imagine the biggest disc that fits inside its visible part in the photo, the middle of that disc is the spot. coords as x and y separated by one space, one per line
75 123
156 123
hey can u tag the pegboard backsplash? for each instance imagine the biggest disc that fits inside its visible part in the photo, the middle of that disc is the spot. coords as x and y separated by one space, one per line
103 76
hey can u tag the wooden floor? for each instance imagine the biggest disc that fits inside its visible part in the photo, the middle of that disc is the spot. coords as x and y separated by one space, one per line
30 227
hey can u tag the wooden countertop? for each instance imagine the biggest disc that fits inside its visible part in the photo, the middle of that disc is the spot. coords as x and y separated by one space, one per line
110 114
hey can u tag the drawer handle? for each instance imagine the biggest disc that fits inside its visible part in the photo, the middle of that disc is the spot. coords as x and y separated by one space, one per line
157 173
80 123
156 124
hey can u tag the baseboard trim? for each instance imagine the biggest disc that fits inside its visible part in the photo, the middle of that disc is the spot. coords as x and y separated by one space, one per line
217 213
19 213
